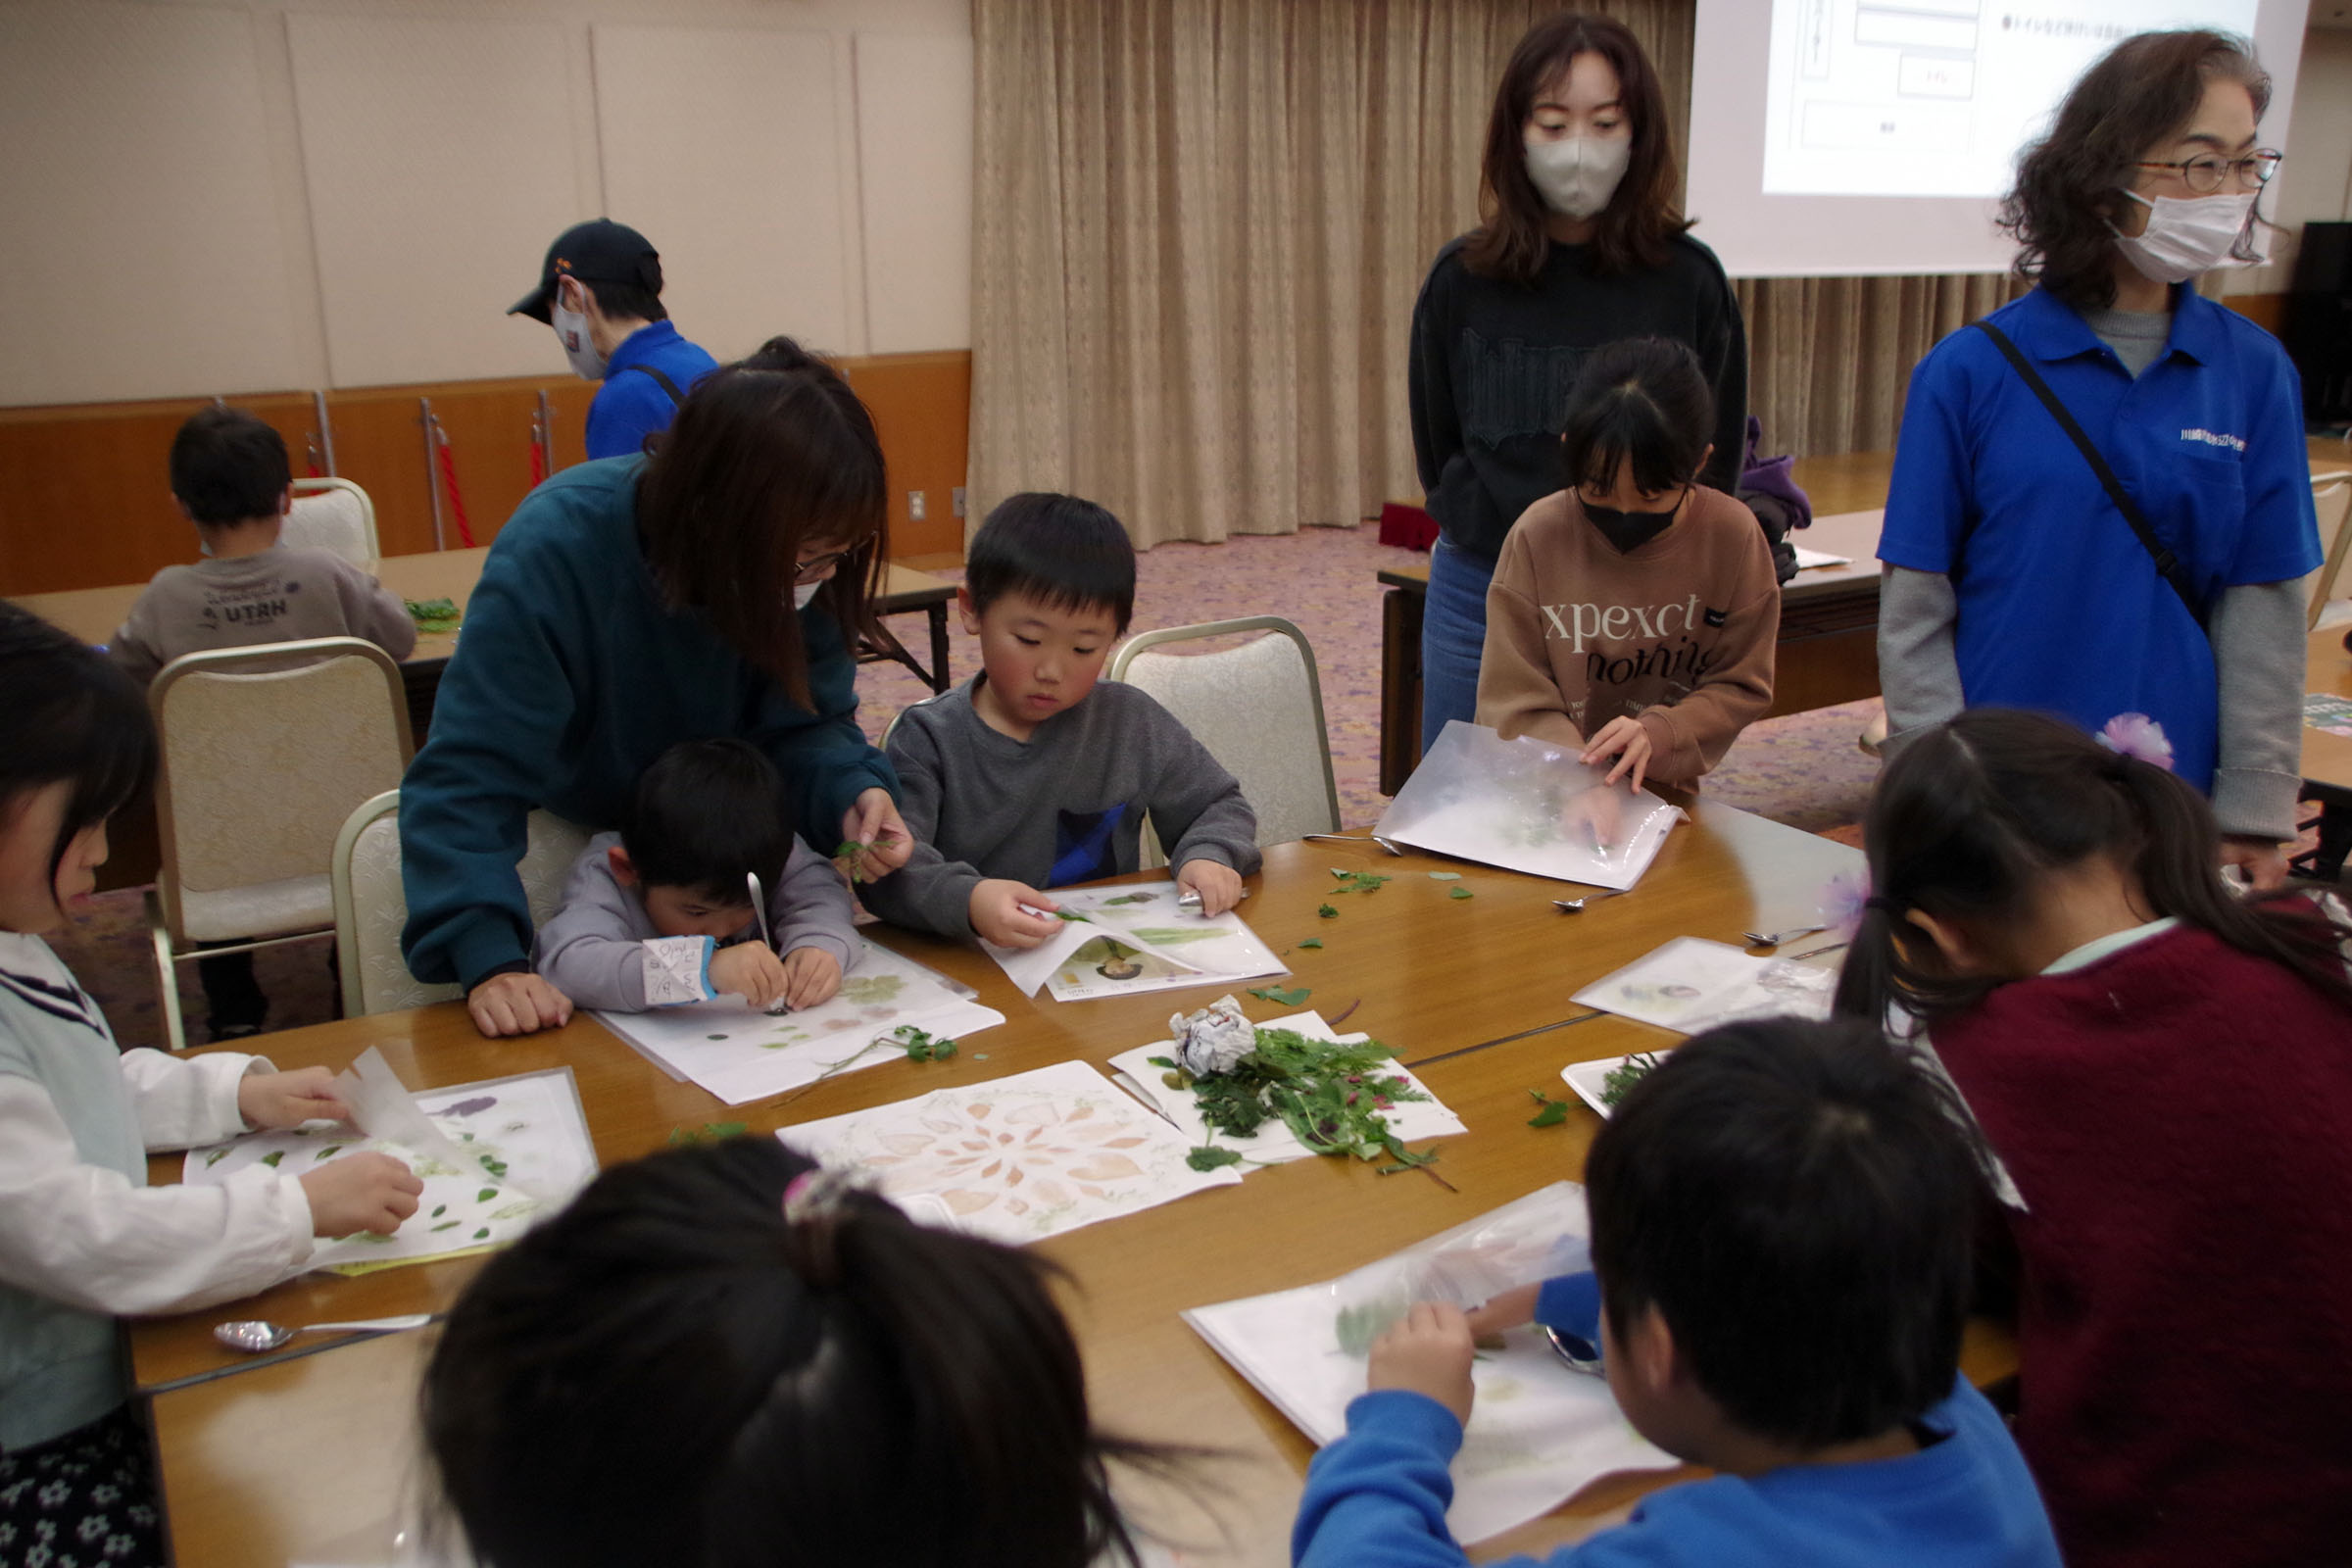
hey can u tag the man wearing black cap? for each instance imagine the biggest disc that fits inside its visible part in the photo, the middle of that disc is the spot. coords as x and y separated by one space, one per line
601 290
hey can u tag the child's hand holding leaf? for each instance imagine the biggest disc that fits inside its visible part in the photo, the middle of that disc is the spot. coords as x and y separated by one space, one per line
750 970
1002 913
873 823
812 977
290 1098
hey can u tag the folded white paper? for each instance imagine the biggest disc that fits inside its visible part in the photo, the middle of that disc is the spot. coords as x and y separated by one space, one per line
1691 984
1136 938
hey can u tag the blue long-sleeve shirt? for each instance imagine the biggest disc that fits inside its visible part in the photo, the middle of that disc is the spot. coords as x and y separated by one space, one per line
1377 1498
631 405
571 675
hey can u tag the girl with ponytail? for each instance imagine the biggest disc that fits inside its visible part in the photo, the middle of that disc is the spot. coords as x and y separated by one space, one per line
2166 1072
725 1356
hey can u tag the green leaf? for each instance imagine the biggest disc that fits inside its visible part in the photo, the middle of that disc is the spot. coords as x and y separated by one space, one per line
446 1224
1072 914
1159 1061
1444 877
1555 1112
1280 996
329 1152
482 1234
1326 912
485 1195
1208 1156
1312 942
1461 892
274 1157
439 1210
215 1157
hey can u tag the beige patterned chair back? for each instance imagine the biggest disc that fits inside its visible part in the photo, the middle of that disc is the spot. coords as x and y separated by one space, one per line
2332 499
1258 709
264 752
333 515
371 905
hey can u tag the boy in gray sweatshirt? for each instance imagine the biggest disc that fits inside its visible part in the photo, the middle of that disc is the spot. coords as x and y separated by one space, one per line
1030 775
231 479
660 912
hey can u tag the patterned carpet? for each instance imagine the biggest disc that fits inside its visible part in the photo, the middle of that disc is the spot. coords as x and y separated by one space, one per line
1803 769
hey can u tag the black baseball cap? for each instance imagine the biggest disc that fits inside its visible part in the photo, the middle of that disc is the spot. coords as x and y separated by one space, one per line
600 251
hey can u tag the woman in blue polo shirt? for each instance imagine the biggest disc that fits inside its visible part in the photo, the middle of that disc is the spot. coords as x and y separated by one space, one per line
2011 576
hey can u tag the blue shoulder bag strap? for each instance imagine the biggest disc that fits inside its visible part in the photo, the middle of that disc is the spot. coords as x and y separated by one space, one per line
2168 564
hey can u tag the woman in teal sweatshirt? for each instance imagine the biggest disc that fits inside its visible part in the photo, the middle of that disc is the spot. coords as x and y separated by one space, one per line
634 603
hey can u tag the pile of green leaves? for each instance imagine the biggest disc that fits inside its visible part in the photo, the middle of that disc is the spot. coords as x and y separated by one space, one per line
1328 1094
1357 881
1619 1081
433 614
710 1132
923 1046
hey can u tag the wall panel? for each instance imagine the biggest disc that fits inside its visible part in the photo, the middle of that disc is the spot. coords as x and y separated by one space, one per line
722 146
914 185
142 242
436 156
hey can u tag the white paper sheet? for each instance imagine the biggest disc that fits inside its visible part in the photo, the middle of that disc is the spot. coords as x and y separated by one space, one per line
503 1152
1691 984
1135 938
1411 1121
1539 1432
742 1054
1512 803
1807 560
1017 1158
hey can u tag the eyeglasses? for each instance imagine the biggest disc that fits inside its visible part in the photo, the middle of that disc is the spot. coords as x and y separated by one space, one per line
2206 174
816 567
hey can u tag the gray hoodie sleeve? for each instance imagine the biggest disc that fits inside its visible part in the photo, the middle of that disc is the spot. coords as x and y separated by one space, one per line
1919 668
1197 807
597 949
2258 652
811 906
930 891
373 611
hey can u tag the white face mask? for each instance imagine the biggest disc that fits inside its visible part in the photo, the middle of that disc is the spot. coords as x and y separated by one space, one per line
1576 176
571 330
2186 236
804 591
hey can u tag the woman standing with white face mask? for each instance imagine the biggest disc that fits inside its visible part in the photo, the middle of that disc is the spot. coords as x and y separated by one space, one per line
2014 575
1582 245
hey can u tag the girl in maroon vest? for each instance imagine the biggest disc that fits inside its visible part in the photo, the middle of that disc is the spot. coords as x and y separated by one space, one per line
2166 1072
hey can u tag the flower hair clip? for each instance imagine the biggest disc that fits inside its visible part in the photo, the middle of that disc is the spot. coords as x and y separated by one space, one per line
2136 735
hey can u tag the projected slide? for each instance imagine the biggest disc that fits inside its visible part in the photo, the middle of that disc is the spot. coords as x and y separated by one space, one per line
1933 97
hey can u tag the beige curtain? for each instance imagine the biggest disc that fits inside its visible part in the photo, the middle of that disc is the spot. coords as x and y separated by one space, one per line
1200 225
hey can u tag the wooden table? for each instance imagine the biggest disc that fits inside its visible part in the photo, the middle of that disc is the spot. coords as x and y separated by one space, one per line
308 1456
2328 759
95 614
1828 651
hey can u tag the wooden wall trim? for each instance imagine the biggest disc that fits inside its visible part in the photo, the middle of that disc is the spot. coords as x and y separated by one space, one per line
86 495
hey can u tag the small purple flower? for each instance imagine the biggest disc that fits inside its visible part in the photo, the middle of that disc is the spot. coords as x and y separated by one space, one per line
1841 902
2138 735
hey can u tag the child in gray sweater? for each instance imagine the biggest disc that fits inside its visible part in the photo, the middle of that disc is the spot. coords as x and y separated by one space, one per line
1030 775
660 912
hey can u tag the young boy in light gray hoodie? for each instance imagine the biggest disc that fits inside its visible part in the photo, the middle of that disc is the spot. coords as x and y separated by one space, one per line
660 912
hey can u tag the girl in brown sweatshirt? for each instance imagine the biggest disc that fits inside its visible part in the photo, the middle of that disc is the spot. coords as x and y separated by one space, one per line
1633 614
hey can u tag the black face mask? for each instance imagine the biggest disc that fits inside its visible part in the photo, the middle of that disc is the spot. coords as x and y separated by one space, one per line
1630 531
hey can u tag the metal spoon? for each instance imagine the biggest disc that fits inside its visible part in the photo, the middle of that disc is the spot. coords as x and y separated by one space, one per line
1351 838
1577 906
256 1336
1773 939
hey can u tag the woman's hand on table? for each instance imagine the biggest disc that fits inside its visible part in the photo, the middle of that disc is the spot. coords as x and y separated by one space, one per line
873 821
1428 1352
517 1002
361 1193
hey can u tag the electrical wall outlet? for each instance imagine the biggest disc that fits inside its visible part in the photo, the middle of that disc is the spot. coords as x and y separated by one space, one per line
914 504
957 493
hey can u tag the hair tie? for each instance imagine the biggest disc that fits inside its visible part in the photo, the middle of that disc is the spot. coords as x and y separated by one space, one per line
814 1203
2136 736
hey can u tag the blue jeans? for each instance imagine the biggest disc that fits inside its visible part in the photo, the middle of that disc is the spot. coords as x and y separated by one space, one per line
1453 634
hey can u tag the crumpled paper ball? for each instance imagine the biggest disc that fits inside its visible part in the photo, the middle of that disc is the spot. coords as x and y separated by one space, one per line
1216 1039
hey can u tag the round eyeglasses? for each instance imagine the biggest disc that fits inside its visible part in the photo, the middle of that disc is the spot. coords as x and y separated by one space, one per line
2207 173
816 567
